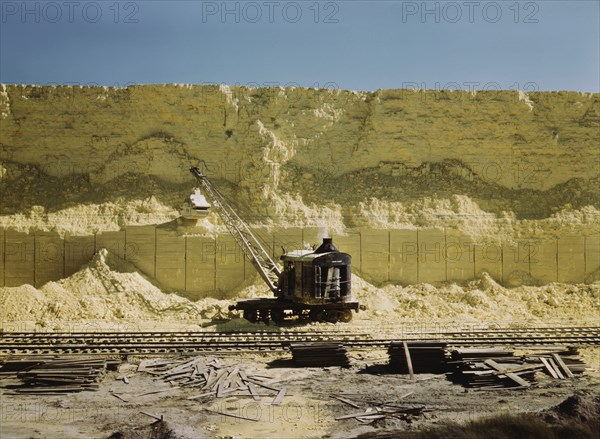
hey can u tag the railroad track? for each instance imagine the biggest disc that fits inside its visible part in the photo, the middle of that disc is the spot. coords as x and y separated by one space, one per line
140 343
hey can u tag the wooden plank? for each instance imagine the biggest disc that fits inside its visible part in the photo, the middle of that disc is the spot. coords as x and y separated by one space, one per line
158 418
488 258
140 248
1 256
48 257
116 395
19 260
266 386
543 260
233 389
202 395
374 257
432 264
114 242
355 415
78 252
522 369
571 259
233 376
279 397
157 391
230 415
349 244
229 264
562 364
212 378
459 253
549 368
592 257
515 263
170 259
200 266
253 391
346 401
556 369
220 390
517 379
408 360
403 256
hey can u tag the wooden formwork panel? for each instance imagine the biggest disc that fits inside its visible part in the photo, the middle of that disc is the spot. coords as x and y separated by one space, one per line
18 258
571 259
350 244
141 248
114 242
404 256
543 264
592 258
78 252
374 254
170 259
49 258
264 236
432 264
229 264
488 258
459 253
515 263
200 266
1 256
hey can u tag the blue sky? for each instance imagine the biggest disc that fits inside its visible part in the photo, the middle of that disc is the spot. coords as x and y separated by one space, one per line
360 45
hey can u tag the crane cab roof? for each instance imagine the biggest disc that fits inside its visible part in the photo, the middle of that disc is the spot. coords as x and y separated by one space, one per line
311 256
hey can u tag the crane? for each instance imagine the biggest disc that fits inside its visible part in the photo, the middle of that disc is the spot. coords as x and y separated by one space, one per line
313 283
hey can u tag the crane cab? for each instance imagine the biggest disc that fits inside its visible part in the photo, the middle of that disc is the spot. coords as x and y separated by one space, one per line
320 277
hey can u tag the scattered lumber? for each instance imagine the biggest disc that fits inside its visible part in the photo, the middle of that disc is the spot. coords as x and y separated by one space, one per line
57 375
495 368
418 356
158 418
319 354
376 410
231 415
213 379
116 395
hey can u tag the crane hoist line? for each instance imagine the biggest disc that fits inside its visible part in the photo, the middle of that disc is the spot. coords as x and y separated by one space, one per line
313 284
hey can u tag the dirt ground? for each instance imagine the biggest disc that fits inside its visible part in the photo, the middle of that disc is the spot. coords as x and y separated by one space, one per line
308 410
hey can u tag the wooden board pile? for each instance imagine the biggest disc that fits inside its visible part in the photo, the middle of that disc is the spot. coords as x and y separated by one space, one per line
495 368
418 356
319 354
368 410
57 375
213 379
562 362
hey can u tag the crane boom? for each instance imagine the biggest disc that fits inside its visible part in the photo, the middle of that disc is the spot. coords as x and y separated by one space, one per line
250 245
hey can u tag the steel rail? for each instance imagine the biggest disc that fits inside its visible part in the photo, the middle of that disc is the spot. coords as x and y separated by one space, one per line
146 343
